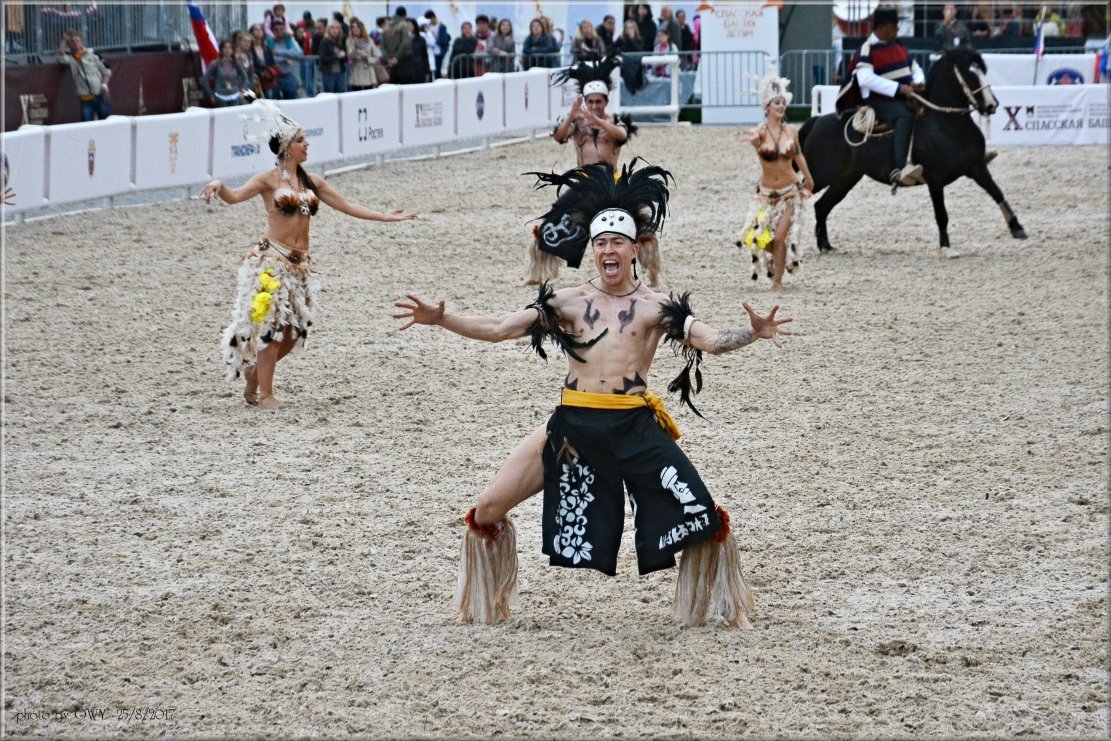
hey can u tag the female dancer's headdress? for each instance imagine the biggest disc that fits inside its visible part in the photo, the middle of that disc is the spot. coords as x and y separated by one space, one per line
773 86
591 76
280 129
597 199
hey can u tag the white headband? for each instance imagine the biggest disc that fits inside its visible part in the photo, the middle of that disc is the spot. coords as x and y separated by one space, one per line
596 86
614 221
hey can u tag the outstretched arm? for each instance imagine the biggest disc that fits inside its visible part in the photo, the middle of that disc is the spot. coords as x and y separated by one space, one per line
329 195
244 192
703 337
487 328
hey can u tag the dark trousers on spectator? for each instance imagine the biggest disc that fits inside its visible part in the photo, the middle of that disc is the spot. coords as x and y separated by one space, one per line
95 108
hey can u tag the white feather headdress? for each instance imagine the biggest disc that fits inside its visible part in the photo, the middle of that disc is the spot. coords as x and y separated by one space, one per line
275 124
773 86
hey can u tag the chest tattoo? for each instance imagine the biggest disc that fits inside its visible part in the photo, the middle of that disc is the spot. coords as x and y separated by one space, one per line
626 316
628 384
591 316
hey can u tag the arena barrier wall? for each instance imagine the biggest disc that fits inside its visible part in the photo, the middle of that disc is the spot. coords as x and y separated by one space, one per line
428 113
89 160
25 165
370 121
480 106
174 149
527 101
68 163
1028 115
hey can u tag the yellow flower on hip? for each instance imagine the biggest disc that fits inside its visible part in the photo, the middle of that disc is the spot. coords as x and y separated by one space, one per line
260 306
749 236
268 282
763 239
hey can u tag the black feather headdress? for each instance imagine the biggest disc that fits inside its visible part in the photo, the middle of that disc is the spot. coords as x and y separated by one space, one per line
584 192
600 70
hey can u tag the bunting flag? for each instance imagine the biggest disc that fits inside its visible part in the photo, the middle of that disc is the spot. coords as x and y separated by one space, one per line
206 40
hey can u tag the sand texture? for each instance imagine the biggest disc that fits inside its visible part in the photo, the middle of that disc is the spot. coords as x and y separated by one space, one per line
918 479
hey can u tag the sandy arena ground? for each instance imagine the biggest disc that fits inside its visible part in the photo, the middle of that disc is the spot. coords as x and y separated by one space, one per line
919 479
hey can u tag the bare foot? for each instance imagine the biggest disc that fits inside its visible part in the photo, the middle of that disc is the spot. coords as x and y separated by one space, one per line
250 391
269 402
777 286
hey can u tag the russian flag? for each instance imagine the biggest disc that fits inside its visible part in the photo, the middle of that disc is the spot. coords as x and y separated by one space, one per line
1039 35
206 40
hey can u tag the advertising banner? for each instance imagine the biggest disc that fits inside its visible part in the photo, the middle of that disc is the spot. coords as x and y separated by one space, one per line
1051 115
480 106
234 153
89 160
526 100
171 150
735 27
320 119
1053 69
370 121
427 113
24 167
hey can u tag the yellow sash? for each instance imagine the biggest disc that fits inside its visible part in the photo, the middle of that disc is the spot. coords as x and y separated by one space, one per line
572 398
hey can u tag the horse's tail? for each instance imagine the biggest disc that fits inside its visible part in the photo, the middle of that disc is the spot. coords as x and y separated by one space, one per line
805 130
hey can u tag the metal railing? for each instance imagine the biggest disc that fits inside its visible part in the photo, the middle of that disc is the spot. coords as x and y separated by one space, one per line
32 32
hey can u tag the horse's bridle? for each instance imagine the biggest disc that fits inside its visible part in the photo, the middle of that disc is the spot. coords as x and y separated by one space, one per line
969 92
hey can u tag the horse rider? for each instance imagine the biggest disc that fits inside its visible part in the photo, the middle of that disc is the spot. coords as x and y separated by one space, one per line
885 75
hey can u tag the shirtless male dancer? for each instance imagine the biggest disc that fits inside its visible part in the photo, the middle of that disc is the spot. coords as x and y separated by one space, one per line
609 430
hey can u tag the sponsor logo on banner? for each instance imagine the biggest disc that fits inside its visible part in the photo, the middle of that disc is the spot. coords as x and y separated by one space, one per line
312 133
92 156
175 137
4 183
479 105
1099 116
247 149
365 131
1044 117
1065 76
430 114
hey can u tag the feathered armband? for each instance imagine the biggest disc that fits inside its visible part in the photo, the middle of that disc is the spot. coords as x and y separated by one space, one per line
547 325
676 317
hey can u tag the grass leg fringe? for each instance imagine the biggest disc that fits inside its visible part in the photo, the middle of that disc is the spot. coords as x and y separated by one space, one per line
487 583
711 585
542 266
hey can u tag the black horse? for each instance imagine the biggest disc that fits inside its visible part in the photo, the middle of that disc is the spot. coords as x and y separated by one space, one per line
947 143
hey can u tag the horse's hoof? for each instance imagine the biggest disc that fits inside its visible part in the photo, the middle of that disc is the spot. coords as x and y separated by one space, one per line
829 249
1019 233
947 253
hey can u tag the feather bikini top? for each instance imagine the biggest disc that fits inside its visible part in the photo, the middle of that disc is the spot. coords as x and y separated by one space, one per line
768 150
290 203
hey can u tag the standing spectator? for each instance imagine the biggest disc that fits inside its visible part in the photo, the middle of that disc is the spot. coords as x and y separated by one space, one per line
663 46
586 45
344 28
287 56
224 80
397 48
484 35
631 47
362 52
1011 28
379 29
90 76
274 16
697 24
241 42
951 31
646 26
668 22
539 48
607 32
980 23
443 41
307 22
461 59
262 60
419 60
333 59
304 40
686 39
503 47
